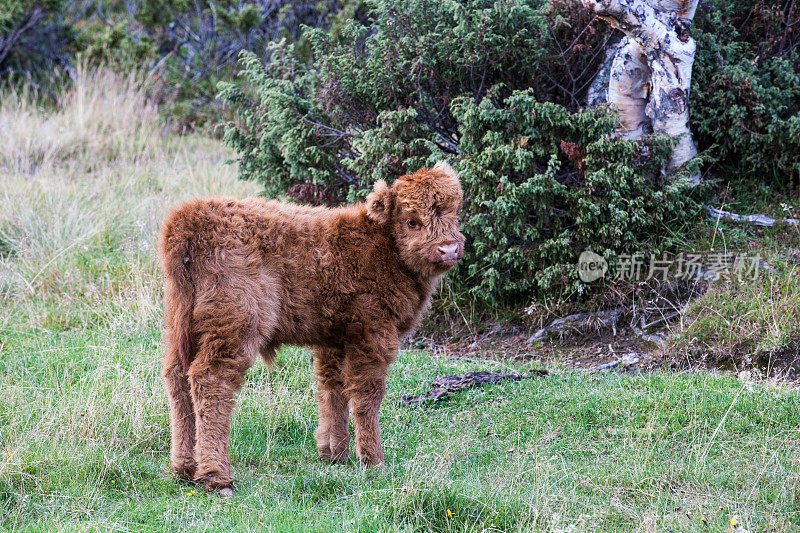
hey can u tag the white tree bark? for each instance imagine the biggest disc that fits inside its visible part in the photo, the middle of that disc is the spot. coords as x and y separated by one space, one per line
648 73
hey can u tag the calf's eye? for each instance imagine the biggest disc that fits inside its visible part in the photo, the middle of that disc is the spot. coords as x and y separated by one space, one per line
412 223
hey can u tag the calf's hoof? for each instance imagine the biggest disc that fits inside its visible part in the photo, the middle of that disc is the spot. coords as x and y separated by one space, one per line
184 469
324 451
334 453
370 456
338 456
214 482
341 455
372 462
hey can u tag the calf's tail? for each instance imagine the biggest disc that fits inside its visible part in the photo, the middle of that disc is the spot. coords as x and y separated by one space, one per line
176 265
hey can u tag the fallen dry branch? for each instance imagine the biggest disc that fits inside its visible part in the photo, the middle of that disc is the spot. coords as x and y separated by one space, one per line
580 321
667 318
626 361
756 220
444 386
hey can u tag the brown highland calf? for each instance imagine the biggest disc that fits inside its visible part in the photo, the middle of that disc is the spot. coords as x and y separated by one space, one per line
247 276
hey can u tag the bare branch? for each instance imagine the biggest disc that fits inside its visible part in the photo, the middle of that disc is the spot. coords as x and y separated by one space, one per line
755 220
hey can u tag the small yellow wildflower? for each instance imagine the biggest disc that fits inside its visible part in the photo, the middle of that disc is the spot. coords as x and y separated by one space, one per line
8 454
449 513
192 493
737 526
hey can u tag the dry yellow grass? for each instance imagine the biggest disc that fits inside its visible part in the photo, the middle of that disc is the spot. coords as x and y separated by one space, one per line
95 174
103 117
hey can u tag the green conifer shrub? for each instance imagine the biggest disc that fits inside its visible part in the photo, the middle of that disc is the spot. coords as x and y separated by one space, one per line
465 81
746 90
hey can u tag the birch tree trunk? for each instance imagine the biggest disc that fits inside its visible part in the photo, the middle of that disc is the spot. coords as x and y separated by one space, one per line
648 73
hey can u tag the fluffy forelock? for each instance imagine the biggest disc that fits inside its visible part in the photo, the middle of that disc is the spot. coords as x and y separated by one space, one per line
439 185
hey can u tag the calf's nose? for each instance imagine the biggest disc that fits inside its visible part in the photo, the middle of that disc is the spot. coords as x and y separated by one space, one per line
450 251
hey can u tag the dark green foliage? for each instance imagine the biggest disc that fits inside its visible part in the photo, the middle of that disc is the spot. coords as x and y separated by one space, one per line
531 212
746 89
33 36
462 81
191 45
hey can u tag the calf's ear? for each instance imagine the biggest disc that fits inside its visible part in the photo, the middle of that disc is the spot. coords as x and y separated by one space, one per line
380 203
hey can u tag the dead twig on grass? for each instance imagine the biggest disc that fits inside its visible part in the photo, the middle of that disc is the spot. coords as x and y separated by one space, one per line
443 386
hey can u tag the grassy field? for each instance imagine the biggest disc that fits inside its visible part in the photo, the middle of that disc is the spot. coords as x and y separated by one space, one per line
83 418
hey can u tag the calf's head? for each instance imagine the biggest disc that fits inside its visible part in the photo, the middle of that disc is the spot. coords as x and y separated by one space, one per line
421 210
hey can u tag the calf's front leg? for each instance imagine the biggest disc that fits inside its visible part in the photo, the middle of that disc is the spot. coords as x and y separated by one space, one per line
333 435
365 379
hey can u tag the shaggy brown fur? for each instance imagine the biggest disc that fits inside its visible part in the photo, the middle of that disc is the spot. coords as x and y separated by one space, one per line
247 276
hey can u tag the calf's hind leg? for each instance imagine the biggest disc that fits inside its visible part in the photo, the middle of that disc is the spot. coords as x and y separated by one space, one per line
181 414
333 435
215 376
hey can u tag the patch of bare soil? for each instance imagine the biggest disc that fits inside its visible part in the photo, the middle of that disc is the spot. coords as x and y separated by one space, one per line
580 350
783 364
442 387
629 350
632 334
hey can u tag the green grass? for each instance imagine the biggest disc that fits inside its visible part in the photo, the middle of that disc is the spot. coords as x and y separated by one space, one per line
84 436
738 320
84 426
